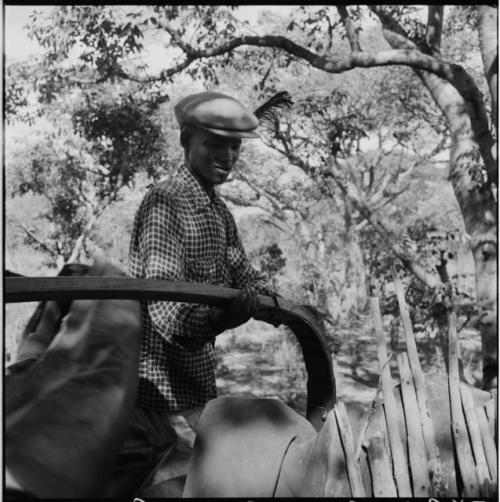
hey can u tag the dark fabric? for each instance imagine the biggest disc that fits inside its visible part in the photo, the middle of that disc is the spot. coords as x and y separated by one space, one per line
13 494
154 458
240 447
148 439
45 321
67 414
179 233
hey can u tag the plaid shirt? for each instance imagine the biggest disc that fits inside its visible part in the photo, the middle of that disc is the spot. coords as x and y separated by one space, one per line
181 234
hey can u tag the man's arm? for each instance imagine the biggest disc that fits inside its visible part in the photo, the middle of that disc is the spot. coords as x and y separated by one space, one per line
161 249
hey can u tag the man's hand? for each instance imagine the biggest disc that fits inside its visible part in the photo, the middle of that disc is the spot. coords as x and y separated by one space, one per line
238 312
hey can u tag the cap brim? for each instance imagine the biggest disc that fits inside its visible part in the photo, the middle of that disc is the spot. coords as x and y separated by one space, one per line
230 134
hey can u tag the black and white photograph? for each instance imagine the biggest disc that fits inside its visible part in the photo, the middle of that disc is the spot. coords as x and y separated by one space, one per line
250 251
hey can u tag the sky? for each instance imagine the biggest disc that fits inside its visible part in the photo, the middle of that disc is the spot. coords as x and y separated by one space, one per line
17 43
19 46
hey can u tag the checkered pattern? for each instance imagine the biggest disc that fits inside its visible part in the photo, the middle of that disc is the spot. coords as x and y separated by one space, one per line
181 234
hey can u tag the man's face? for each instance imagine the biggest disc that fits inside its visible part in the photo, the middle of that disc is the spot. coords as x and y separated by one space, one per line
211 157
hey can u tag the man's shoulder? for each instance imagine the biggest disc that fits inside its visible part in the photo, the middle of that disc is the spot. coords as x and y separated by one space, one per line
171 189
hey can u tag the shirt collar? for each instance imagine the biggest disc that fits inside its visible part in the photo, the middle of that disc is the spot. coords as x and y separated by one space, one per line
198 196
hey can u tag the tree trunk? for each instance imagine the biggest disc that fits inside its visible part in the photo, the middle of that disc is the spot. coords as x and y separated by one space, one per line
488 42
476 201
355 272
323 296
478 208
79 247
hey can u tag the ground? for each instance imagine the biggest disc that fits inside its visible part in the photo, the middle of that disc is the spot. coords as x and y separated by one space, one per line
259 360
262 361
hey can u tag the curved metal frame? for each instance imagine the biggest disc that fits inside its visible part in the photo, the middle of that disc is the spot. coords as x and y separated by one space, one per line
304 325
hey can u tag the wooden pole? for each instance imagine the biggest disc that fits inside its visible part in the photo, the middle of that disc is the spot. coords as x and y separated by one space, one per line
416 445
382 480
475 438
488 443
424 410
367 418
353 472
400 464
494 393
491 413
459 429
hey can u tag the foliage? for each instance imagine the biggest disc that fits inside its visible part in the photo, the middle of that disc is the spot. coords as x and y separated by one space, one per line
318 25
124 138
100 54
101 36
460 19
16 95
270 260
19 106
81 165
59 168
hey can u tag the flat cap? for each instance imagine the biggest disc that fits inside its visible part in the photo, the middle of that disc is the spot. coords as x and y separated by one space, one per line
217 113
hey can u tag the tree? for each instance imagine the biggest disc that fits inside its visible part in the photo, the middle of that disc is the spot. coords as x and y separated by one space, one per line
202 39
80 160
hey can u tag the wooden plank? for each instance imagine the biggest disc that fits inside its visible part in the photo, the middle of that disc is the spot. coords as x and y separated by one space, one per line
346 436
326 468
304 325
424 409
475 438
368 416
399 461
491 413
459 429
416 446
382 480
488 444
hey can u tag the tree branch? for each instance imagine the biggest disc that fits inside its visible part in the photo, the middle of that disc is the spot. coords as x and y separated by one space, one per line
80 242
77 248
488 42
177 38
434 29
357 59
350 28
278 205
266 75
412 57
276 218
34 238
430 279
473 100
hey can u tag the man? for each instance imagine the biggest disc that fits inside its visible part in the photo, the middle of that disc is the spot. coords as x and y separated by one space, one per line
184 231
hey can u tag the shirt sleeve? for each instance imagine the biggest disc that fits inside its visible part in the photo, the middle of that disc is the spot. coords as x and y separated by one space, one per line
161 248
242 272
